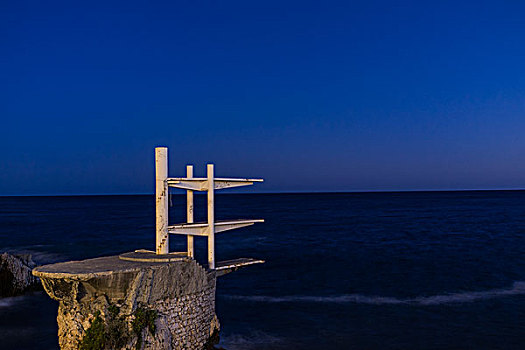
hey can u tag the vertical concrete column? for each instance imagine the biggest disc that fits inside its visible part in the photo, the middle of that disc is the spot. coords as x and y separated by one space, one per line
211 218
189 210
161 200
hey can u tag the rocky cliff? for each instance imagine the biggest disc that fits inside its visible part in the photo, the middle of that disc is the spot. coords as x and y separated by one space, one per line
109 303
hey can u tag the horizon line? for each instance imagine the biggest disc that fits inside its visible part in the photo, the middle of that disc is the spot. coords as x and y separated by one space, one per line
277 192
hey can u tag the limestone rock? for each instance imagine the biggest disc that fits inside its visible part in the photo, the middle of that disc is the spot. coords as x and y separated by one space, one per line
15 274
107 303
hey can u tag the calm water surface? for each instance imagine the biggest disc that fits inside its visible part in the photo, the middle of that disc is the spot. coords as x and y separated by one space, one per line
425 270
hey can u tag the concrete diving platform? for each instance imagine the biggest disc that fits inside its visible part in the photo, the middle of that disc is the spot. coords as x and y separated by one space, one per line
149 300
93 268
131 262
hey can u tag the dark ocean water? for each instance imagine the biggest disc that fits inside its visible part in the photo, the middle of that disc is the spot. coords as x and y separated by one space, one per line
426 270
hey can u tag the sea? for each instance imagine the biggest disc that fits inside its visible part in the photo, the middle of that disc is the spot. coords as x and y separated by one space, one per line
393 270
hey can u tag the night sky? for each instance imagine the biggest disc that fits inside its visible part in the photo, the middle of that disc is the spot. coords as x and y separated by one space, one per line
311 96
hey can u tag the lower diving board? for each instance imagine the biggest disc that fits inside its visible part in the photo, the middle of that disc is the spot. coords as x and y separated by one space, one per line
227 266
202 228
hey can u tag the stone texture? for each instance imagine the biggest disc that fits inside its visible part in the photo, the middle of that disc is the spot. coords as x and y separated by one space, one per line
15 274
182 293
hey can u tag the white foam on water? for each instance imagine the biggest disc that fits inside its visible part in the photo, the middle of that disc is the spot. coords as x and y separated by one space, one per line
39 257
10 301
517 288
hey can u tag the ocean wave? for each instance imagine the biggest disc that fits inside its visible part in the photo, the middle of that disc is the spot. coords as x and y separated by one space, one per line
10 301
517 288
39 257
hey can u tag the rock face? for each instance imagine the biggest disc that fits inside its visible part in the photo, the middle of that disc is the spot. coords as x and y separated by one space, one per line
15 274
108 303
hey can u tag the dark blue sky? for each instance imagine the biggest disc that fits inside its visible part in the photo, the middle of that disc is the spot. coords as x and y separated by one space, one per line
312 96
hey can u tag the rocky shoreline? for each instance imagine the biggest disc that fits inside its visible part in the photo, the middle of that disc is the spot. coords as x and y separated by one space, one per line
16 276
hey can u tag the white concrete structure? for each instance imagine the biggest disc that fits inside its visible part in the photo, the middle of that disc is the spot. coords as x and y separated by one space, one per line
189 211
191 184
161 200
